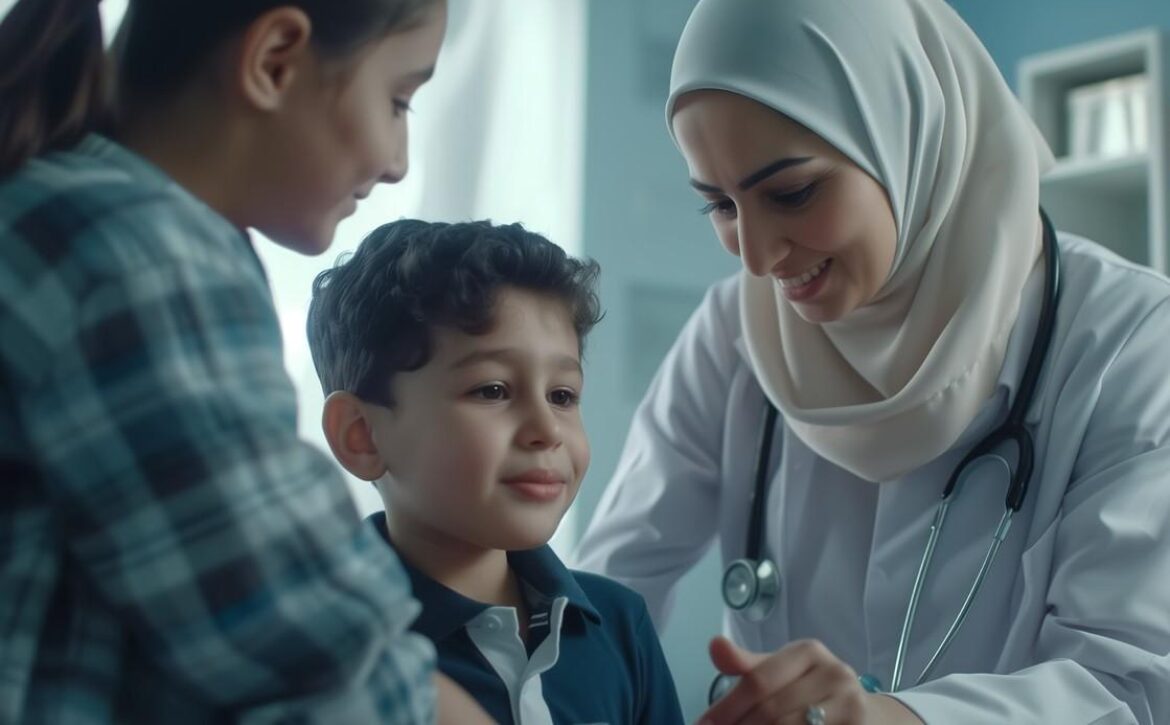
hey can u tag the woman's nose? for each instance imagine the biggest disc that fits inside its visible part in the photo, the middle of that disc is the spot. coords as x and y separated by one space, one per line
762 244
396 169
398 161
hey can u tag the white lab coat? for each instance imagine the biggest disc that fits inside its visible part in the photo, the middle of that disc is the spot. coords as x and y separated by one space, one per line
1073 622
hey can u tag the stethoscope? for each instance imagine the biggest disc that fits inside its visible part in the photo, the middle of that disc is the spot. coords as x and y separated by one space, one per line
751 585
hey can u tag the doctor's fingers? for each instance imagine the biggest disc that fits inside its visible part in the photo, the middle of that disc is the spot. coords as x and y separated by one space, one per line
822 697
731 659
783 686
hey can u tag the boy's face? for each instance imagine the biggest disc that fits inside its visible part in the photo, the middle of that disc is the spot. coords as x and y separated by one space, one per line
485 447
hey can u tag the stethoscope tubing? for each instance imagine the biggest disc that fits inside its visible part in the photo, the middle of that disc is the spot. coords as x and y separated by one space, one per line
755 541
1011 430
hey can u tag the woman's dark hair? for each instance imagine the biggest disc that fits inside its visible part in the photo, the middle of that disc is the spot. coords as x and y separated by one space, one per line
52 77
374 313
53 69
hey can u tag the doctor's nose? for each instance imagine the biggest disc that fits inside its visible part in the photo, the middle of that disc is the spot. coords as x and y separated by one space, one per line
762 245
540 430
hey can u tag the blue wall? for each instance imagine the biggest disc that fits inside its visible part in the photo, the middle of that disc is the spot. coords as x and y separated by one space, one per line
658 254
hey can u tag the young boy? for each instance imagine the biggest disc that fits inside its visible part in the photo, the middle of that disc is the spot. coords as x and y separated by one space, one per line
451 357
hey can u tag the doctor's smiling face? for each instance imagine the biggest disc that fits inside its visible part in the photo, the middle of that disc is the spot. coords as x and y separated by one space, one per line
787 203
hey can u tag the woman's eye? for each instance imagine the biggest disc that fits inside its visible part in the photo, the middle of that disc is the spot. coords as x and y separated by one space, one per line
796 198
491 392
722 207
564 398
401 106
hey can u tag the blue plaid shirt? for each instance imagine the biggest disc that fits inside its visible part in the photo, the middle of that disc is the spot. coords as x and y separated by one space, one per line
169 550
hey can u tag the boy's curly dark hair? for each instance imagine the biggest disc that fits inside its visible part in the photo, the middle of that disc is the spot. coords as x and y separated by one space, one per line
372 314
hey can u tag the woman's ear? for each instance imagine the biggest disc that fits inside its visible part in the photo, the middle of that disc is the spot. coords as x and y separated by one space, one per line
273 52
351 437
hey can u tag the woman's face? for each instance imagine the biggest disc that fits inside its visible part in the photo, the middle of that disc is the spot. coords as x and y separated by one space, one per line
346 132
788 204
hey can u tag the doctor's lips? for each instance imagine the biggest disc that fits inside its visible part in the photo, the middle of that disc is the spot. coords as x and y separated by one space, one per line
539 484
805 284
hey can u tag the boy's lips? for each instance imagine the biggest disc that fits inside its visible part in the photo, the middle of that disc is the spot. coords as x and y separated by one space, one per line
537 484
545 476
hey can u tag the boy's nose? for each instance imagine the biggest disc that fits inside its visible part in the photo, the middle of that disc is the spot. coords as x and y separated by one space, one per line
541 429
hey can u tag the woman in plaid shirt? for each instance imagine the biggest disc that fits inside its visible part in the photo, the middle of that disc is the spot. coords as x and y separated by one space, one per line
169 551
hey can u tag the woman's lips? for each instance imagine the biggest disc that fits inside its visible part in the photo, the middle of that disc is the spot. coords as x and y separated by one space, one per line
808 284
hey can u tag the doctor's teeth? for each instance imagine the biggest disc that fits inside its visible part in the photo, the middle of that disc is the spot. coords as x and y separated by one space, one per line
805 278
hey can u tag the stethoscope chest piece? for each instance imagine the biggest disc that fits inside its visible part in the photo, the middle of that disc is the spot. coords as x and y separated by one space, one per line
751 588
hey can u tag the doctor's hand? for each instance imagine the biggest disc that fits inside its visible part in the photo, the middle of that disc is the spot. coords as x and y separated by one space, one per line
790 684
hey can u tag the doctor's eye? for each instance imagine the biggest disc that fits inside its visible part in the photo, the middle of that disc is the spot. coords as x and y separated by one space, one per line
493 391
721 208
795 199
564 398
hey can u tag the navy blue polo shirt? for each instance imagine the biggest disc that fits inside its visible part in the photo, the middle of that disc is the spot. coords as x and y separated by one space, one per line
592 654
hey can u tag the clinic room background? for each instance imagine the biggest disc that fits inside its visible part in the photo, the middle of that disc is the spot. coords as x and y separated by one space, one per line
562 128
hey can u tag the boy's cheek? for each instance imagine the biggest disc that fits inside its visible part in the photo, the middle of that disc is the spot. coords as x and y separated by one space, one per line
583 455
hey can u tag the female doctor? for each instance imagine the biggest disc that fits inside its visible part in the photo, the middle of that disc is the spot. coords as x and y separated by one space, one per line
901 293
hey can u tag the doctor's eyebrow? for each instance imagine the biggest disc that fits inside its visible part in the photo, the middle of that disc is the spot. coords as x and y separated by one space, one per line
756 176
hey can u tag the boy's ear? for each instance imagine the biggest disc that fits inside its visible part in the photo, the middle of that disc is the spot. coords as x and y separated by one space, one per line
350 436
273 50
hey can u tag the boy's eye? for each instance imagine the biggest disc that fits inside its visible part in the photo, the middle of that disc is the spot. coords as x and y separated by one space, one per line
495 391
564 398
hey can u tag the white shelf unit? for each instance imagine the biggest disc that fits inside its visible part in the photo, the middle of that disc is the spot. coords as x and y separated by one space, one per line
1120 202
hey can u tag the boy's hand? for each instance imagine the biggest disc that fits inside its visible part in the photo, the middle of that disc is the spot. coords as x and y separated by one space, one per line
455 706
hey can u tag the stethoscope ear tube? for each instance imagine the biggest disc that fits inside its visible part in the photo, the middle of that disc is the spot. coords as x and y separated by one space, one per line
754 546
1012 430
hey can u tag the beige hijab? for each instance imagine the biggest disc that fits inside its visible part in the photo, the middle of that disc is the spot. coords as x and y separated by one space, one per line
905 90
